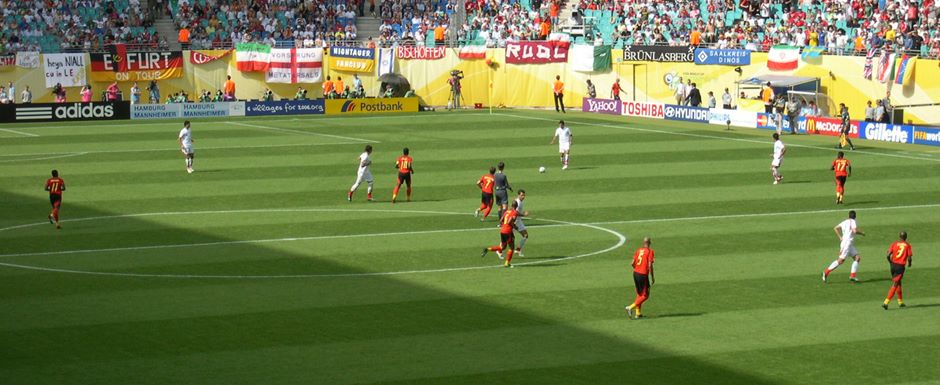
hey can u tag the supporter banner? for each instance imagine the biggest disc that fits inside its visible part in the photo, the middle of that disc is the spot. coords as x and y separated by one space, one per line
926 135
738 118
295 65
472 51
141 66
370 106
728 57
206 56
886 132
643 110
67 69
27 59
421 53
659 53
7 61
829 126
252 57
688 114
386 61
352 59
602 106
187 110
285 107
768 122
59 112
536 52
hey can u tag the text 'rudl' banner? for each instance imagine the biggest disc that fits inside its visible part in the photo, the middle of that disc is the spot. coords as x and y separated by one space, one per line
537 52
140 66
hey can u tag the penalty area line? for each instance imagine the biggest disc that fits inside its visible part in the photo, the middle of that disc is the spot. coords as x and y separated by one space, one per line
300 132
19 132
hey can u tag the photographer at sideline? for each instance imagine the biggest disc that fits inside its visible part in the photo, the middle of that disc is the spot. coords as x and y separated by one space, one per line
268 95
301 94
455 87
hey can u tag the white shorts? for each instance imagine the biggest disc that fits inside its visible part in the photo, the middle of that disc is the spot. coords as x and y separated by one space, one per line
847 251
364 177
777 162
520 227
563 148
187 149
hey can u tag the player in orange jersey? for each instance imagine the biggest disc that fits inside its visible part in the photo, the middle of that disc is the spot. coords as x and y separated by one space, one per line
642 277
899 254
403 164
486 183
843 169
507 240
55 186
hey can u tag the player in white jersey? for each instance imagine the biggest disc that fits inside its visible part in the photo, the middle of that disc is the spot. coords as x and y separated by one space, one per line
185 139
520 227
564 137
364 174
846 232
779 151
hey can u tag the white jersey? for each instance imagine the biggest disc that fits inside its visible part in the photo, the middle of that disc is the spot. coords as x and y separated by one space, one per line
848 228
779 148
186 137
521 210
564 136
364 162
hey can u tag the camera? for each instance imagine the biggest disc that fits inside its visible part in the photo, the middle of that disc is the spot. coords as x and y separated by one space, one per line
457 74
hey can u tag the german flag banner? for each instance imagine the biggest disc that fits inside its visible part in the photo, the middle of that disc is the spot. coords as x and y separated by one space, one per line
136 66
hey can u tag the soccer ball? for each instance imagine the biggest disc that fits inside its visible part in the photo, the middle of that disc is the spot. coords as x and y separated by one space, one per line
542 169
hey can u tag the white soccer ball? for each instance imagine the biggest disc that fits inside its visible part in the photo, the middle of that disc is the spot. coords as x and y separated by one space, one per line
542 169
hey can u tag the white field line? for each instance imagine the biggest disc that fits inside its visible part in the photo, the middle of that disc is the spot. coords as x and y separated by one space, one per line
175 149
28 159
287 130
311 118
594 225
19 133
767 142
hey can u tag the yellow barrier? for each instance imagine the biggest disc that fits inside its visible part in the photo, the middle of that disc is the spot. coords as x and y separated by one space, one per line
499 84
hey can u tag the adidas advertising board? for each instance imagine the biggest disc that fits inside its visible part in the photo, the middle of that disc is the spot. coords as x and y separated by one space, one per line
61 112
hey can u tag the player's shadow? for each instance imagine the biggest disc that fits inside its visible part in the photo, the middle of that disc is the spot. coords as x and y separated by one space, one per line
925 305
873 280
419 329
861 203
796 181
679 315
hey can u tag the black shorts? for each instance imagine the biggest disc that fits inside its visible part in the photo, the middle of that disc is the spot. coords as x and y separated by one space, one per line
55 199
502 197
487 199
840 180
642 282
404 177
897 271
507 239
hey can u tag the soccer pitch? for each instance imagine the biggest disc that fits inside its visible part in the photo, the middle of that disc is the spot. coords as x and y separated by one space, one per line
255 269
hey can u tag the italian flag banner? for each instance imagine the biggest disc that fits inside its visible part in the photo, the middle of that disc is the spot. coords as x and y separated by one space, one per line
589 58
295 65
252 57
473 50
783 58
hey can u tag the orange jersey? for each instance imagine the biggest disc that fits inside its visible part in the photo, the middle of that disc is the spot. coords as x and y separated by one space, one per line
900 252
55 186
643 260
404 164
841 166
506 222
558 86
327 87
229 87
339 86
486 183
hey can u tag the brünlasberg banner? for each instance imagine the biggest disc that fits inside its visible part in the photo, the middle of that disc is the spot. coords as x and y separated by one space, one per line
141 66
657 53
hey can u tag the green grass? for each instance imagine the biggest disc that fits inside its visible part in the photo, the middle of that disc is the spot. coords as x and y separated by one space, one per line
255 269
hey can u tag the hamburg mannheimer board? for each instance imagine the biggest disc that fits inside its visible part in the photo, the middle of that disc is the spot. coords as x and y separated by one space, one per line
659 53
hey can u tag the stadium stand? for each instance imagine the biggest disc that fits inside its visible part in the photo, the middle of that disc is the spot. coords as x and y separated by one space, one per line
64 25
414 22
